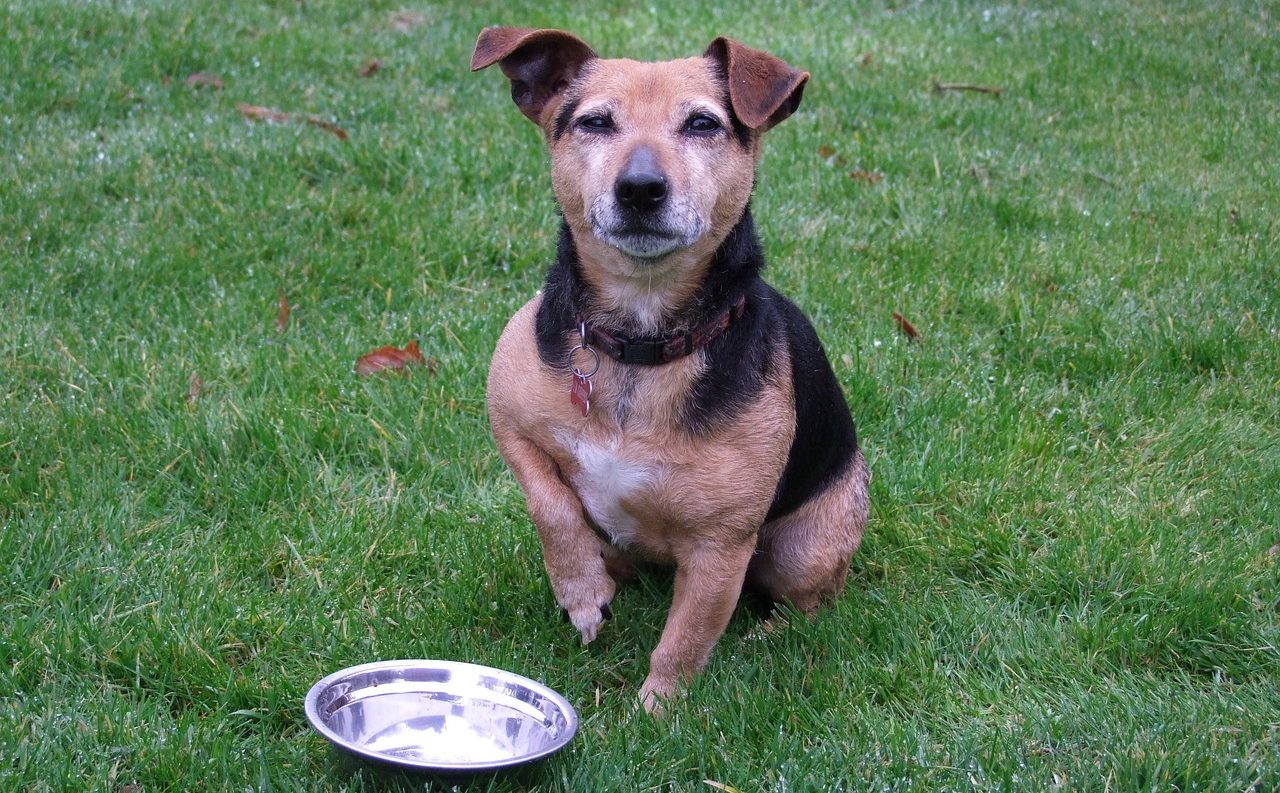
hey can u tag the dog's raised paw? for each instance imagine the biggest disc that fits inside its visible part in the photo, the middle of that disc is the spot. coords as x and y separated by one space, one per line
606 614
585 602
587 621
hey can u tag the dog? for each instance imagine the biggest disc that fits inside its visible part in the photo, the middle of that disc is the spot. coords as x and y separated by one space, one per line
657 400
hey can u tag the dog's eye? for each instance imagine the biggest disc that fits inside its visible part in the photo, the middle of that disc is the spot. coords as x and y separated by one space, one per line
597 122
701 124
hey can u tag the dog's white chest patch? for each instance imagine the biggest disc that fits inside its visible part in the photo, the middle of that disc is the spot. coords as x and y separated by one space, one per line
604 480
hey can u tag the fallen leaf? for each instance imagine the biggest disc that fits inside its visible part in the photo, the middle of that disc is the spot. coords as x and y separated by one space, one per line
829 154
405 20
194 387
370 68
939 88
865 59
203 80
906 327
867 177
333 129
282 315
258 113
390 357
272 116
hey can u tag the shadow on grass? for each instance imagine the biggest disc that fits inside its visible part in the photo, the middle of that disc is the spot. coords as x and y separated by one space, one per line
365 775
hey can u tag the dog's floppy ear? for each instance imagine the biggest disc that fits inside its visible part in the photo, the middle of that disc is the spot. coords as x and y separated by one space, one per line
539 63
763 90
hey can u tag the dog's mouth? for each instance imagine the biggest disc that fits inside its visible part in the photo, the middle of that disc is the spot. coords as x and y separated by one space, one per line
645 239
643 244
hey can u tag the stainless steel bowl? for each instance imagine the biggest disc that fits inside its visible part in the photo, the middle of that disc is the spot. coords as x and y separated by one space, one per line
441 716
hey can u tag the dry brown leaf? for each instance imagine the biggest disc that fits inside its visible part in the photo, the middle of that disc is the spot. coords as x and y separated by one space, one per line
272 116
867 177
203 80
906 327
282 315
194 387
332 129
370 68
866 58
939 88
829 154
258 113
390 357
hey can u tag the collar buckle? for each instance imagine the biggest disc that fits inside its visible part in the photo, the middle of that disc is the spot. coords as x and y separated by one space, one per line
646 353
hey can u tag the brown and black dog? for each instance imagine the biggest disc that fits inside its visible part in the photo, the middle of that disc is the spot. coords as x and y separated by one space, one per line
658 400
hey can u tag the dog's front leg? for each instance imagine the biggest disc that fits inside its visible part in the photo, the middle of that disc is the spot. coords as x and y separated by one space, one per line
708 582
571 552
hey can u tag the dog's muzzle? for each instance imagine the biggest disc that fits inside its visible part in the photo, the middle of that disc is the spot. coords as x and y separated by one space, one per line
641 217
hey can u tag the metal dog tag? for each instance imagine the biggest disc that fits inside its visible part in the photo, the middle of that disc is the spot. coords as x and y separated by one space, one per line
580 393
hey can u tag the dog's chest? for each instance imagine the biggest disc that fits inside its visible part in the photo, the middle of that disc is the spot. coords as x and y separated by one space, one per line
629 459
617 483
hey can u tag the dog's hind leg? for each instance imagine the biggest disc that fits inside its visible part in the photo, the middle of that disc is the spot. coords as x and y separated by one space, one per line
803 557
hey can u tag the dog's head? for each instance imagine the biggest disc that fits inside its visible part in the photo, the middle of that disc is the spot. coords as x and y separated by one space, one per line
652 163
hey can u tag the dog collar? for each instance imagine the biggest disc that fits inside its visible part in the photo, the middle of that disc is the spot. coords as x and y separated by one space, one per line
657 351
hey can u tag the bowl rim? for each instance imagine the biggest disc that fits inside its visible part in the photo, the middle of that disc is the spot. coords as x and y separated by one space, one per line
312 708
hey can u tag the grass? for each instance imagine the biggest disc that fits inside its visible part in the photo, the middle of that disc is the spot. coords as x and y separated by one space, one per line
1070 579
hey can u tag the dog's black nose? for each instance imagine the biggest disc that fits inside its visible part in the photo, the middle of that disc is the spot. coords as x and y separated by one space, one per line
641 187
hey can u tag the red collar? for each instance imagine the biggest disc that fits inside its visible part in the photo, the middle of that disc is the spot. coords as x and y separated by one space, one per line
657 351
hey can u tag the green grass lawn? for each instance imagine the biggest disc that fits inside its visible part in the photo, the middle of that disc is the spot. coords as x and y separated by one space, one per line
1071 577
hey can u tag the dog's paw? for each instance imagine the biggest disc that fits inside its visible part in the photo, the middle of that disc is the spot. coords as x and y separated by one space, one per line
587 607
655 692
587 623
587 620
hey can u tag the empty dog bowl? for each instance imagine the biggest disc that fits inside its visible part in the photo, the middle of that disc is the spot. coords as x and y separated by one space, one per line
442 716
